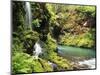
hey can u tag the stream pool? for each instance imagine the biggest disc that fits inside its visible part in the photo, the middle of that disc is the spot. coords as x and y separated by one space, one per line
82 58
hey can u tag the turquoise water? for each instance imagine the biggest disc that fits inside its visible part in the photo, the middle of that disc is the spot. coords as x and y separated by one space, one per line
75 52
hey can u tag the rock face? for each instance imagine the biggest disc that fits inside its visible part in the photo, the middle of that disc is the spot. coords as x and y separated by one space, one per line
79 67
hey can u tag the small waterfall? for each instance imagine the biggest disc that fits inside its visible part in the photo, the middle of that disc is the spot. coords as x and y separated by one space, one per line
28 15
38 50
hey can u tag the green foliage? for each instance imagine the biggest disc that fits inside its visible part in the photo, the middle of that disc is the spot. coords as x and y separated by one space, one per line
52 12
36 23
32 35
21 63
24 40
87 10
24 63
49 53
18 16
82 40
49 21
17 45
62 63
38 67
49 47
50 43
47 67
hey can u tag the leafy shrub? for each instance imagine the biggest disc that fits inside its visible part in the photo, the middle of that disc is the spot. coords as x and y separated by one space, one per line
81 40
87 10
24 63
21 63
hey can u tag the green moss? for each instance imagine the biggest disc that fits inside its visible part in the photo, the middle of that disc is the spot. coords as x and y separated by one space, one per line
47 67
63 64
50 43
51 55
37 66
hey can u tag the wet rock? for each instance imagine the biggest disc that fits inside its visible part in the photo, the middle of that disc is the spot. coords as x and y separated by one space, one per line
77 66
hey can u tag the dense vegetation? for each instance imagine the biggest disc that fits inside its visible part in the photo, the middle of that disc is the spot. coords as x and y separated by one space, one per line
53 24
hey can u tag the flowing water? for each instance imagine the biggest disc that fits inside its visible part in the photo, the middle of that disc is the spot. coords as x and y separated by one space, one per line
28 14
77 55
38 50
90 63
81 56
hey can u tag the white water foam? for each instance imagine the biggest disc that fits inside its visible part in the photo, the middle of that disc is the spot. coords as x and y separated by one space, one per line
38 50
90 63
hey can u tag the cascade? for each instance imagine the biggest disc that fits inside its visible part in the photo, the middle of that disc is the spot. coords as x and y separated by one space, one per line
38 50
28 16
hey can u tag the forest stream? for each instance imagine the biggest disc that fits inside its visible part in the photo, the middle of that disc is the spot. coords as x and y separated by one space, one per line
43 35
81 57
